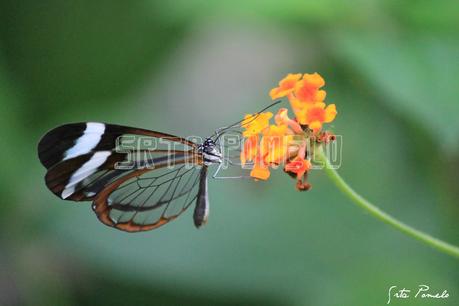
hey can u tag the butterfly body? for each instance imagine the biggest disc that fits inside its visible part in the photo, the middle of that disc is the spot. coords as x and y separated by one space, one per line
210 152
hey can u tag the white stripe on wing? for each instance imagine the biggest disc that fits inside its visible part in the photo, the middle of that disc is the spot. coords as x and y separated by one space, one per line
86 170
88 141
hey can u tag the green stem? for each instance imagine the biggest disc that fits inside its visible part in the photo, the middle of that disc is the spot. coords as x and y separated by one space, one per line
381 215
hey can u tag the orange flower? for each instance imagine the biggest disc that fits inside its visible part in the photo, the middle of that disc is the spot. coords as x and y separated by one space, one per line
299 166
287 142
307 90
316 115
250 149
286 86
255 124
283 118
274 144
260 170
298 107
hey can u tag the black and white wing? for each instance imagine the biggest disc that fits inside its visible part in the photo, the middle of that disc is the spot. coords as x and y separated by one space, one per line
83 162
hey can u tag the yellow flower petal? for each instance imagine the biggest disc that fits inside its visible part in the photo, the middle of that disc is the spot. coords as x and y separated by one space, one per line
315 126
260 172
276 130
274 144
314 79
286 86
255 124
250 149
330 113
320 95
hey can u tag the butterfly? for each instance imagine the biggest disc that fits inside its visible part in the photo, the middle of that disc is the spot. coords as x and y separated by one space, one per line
137 179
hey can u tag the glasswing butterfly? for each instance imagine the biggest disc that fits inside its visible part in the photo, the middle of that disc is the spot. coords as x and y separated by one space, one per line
93 161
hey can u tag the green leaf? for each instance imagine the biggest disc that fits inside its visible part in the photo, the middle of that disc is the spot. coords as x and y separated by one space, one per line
416 76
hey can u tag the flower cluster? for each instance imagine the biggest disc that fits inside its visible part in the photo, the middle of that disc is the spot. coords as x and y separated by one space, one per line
306 99
288 141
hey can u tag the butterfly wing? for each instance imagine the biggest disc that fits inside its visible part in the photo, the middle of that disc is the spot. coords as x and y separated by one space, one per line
75 139
144 200
83 164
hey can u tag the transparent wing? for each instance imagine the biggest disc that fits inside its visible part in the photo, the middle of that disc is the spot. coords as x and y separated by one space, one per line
143 200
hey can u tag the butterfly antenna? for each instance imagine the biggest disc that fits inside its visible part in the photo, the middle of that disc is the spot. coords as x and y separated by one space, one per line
218 132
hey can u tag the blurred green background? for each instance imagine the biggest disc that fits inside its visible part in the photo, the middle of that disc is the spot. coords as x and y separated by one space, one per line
189 66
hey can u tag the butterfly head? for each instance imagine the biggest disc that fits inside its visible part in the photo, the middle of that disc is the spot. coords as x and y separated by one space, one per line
210 152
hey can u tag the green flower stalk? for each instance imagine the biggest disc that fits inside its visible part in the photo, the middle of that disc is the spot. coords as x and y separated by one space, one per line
373 210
